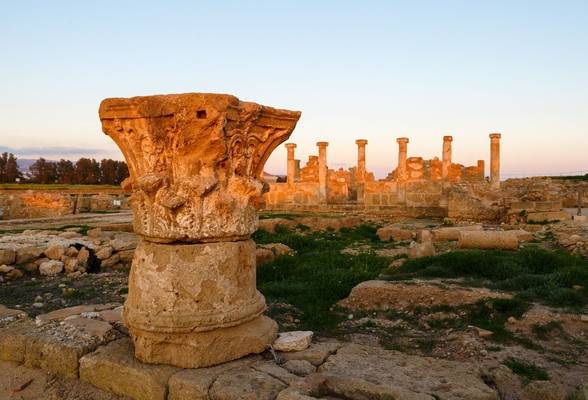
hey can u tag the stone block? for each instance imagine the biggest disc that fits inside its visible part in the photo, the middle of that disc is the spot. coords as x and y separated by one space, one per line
51 267
202 349
194 384
7 256
114 368
263 256
293 341
13 341
54 252
487 240
27 254
548 216
452 233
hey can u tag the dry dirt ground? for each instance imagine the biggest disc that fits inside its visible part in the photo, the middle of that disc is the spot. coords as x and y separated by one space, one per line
389 333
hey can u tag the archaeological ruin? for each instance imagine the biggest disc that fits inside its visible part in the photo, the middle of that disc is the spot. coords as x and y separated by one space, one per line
435 282
195 162
417 188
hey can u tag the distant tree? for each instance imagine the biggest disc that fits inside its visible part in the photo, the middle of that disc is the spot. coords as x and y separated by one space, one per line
87 171
108 171
43 171
12 171
65 172
122 172
3 162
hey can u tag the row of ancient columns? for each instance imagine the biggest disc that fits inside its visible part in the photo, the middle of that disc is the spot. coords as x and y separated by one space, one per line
402 158
446 158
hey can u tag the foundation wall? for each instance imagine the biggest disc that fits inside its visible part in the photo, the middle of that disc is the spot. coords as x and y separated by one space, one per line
16 204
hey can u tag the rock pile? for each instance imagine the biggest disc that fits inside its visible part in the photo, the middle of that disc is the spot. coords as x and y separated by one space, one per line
53 252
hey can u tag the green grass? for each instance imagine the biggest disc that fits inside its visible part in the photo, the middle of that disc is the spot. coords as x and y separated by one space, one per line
526 370
54 186
319 275
554 278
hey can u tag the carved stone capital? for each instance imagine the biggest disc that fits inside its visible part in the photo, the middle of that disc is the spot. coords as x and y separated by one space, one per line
194 161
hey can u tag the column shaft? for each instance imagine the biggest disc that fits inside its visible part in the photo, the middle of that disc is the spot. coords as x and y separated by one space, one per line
495 160
322 171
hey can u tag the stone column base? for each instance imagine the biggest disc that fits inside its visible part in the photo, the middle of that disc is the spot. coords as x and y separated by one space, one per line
203 349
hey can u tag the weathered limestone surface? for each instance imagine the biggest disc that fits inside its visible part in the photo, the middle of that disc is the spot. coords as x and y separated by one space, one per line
373 373
113 368
383 295
195 162
506 240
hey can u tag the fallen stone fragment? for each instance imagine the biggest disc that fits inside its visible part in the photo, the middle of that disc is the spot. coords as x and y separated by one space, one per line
483 333
278 249
293 341
27 254
263 256
82 257
7 256
452 233
488 240
54 252
419 250
384 295
6 268
368 372
50 268
396 234
104 252
114 368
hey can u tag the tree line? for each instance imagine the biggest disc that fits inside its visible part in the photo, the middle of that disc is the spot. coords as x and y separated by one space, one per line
8 168
85 171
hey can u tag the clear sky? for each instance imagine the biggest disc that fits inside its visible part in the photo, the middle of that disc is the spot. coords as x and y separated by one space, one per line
356 69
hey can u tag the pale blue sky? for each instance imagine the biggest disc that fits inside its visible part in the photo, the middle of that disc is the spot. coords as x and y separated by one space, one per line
369 69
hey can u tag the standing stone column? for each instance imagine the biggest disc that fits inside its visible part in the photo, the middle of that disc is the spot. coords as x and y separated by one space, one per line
495 160
296 170
446 156
291 163
195 162
482 170
402 155
322 171
361 143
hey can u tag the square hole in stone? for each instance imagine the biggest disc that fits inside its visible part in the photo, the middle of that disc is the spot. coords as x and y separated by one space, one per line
201 114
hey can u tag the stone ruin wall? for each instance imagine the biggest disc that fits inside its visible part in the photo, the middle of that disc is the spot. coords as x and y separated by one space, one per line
15 204
422 188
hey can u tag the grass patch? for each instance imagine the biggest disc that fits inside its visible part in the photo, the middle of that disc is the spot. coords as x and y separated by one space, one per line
319 275
533 273
526 370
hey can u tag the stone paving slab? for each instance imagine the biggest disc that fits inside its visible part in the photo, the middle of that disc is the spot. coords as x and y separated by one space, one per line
114 368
